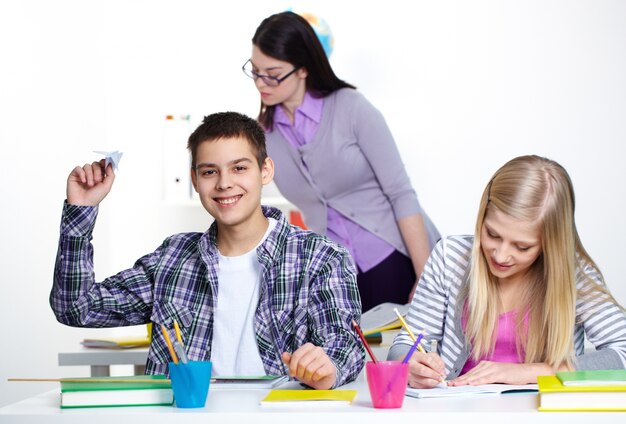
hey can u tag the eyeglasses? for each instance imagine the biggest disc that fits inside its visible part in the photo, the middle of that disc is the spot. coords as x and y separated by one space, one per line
267 79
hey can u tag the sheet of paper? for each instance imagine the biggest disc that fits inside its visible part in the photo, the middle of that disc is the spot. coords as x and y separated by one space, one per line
249 382
113 157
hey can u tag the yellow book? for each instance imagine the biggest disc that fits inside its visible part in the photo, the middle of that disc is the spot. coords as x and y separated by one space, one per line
308 397
124 342
117 342
554 396
382 318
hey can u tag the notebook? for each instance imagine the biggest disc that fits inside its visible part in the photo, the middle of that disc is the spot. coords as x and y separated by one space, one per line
471 390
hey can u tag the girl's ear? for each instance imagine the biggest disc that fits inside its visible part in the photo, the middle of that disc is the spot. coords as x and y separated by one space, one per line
302 73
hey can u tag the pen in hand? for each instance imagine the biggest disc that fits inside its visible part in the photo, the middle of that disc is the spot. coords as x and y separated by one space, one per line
413 348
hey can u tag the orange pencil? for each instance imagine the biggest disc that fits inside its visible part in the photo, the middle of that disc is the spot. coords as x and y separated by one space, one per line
169 344
177 330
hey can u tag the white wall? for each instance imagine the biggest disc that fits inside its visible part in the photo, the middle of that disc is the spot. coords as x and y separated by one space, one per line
464 85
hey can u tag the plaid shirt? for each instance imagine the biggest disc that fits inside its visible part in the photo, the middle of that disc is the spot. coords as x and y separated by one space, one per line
308 293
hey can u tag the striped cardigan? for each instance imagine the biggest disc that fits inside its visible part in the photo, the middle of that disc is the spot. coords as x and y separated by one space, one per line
436 308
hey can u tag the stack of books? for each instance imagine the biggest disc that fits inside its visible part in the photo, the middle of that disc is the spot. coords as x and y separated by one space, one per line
129 342
123 342
600 390
138 390
382 321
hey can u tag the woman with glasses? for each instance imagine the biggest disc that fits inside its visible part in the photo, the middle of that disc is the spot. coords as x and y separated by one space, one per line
336 160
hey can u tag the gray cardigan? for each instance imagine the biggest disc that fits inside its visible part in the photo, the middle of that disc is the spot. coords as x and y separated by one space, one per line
353 166
436 309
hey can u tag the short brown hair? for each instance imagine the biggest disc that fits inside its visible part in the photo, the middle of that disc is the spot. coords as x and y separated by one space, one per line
228 125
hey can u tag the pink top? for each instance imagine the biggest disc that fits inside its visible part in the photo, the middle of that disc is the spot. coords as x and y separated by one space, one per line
505 349
367 249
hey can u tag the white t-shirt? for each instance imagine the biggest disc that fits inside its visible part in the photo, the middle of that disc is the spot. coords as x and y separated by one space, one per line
235 352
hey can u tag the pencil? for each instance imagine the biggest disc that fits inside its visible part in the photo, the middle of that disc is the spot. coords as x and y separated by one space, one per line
169 344
367 346
89 380
177 330
408 330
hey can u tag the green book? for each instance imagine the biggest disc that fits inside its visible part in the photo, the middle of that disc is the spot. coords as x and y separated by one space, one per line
116 391
593 378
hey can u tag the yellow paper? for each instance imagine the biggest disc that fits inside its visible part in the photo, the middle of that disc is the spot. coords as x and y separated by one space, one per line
291 396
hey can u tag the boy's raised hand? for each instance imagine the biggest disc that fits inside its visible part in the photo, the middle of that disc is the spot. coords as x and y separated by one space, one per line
312 366
89 184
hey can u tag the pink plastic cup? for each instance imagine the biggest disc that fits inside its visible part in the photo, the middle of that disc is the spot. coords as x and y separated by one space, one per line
387 382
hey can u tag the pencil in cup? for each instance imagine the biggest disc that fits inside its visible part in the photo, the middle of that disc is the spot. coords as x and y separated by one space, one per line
168 342
402 372
362 337
179 337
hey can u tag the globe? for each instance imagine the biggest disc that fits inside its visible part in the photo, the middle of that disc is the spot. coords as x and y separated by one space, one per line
322 30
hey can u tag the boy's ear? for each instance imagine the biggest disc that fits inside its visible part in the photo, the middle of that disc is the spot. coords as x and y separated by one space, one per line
267 171
194 179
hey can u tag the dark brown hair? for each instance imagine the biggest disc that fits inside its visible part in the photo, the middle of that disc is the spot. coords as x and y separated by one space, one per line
287 36
228 125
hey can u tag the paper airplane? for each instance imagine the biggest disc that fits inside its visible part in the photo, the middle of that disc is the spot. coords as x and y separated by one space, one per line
111 157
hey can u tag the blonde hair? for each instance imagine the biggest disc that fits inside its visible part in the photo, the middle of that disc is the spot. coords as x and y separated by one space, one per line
531 188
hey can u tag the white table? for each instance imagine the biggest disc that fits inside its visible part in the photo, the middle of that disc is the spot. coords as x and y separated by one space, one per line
242 406
100 360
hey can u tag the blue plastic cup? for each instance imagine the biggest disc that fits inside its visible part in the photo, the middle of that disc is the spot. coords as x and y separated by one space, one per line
190 383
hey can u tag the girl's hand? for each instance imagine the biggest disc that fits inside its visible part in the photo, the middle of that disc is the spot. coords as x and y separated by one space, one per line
488 372
426 370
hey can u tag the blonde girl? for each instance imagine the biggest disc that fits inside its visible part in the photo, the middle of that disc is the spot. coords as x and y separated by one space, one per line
517 299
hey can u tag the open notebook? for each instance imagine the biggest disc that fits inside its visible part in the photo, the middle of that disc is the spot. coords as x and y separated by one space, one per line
471 390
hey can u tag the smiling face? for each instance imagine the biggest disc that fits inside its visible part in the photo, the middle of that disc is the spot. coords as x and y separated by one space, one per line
290 91
510 246
229 182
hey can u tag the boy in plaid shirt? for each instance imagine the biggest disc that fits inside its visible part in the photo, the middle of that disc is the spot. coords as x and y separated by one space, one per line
253 294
